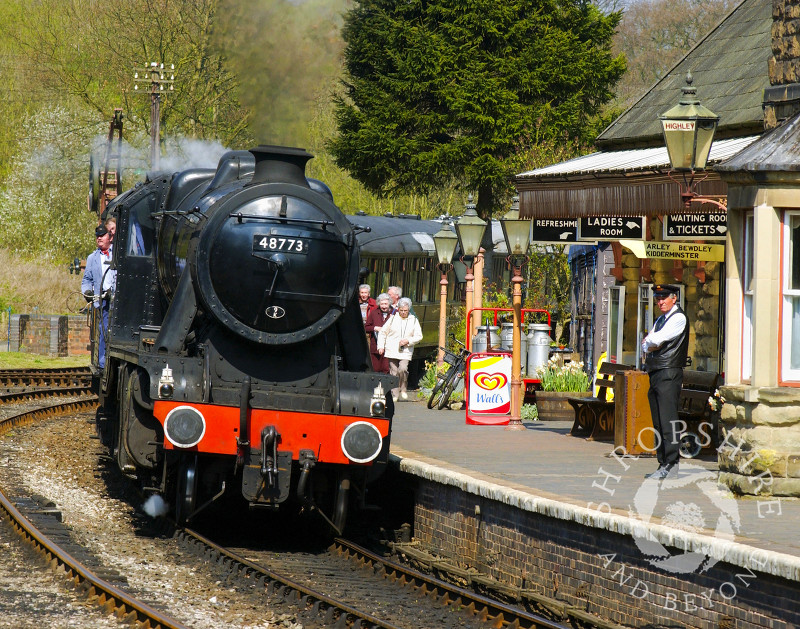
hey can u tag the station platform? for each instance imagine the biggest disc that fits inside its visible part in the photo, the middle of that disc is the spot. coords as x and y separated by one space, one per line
545 470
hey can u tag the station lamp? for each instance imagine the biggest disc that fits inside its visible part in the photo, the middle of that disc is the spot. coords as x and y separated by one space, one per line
445 242
689 129
516 232
470 230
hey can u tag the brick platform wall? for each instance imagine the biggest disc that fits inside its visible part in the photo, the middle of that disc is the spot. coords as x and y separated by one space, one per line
77 336
50 335
599 571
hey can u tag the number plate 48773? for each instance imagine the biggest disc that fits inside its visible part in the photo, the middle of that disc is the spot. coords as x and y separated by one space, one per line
284 244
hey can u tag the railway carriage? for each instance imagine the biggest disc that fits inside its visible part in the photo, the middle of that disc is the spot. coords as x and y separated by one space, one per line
398 250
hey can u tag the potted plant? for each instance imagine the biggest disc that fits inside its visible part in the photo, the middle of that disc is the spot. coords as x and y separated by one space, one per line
559 382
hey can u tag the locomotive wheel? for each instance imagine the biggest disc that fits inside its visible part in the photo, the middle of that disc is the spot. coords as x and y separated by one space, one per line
689 446
186 495
341 504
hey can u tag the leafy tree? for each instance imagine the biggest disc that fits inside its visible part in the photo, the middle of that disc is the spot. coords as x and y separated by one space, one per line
87 51
285 54
655 34
43 207
549 284
440 90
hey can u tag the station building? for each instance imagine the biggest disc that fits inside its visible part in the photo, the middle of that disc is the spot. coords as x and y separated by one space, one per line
739 269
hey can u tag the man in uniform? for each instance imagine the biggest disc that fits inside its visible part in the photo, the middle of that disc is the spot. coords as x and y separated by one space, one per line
665 349
98 283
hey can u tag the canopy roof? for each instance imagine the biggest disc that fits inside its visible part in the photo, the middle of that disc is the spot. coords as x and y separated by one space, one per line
730 71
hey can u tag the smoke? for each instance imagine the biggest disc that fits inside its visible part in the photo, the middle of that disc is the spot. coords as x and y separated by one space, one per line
178 153
155 506
183 153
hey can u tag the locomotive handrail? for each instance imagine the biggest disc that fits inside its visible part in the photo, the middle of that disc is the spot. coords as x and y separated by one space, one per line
280 219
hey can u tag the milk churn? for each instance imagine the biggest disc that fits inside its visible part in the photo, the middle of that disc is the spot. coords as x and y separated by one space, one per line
507 342
479 340
538 346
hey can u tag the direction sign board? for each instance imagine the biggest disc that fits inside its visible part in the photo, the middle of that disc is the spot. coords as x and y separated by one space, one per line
611 228
563 230
675 250
711 226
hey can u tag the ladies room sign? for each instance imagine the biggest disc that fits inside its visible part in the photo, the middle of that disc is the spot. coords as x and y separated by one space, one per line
489 379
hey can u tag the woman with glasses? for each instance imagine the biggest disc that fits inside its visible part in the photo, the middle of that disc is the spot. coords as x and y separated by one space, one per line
396 342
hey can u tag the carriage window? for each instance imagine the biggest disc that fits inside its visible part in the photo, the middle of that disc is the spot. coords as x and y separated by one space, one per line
411 289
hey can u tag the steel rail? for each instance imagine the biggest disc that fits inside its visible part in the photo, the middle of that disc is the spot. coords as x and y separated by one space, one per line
38 394
328 610
495 613
20 379
45 377
48 370
97 590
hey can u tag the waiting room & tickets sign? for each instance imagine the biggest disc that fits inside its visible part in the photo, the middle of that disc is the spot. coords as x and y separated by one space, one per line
676 250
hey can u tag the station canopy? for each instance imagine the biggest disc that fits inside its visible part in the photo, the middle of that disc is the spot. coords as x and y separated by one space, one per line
631 182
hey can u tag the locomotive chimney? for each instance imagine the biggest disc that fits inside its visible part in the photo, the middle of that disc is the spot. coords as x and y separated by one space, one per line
280 164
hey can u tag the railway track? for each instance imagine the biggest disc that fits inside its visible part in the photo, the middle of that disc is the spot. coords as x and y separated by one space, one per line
97 589
55 377
28 395
361 589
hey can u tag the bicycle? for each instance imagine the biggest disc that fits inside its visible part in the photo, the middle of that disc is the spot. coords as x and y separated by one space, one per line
448 382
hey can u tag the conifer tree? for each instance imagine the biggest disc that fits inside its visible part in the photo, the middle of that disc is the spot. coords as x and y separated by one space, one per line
438 91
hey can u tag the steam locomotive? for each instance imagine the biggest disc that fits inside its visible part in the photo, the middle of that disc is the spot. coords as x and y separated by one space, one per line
236 359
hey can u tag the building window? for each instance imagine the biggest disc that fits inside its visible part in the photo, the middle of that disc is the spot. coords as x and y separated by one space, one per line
790 333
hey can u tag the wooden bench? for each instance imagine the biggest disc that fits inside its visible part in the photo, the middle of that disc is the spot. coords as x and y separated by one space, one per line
594 416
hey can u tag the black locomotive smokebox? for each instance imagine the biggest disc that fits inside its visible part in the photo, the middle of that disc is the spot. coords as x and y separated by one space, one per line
280 164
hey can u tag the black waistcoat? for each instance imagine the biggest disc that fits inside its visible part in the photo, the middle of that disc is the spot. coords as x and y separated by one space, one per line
672 354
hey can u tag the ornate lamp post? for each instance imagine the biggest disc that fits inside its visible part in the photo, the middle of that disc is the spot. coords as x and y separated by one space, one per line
470 230
445 241
688 133
516 232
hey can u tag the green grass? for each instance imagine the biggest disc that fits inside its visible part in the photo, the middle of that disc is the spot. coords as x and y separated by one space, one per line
21 360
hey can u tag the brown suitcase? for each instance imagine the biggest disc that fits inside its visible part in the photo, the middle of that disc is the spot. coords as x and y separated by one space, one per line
633 424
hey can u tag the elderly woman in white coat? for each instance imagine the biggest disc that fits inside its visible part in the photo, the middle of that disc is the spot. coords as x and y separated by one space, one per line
396 341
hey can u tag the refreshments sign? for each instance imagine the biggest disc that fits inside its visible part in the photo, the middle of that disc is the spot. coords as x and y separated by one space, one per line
560 230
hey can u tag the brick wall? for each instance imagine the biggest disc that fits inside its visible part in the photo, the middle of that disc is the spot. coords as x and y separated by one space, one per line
50 335
78 337
593 569
782 99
